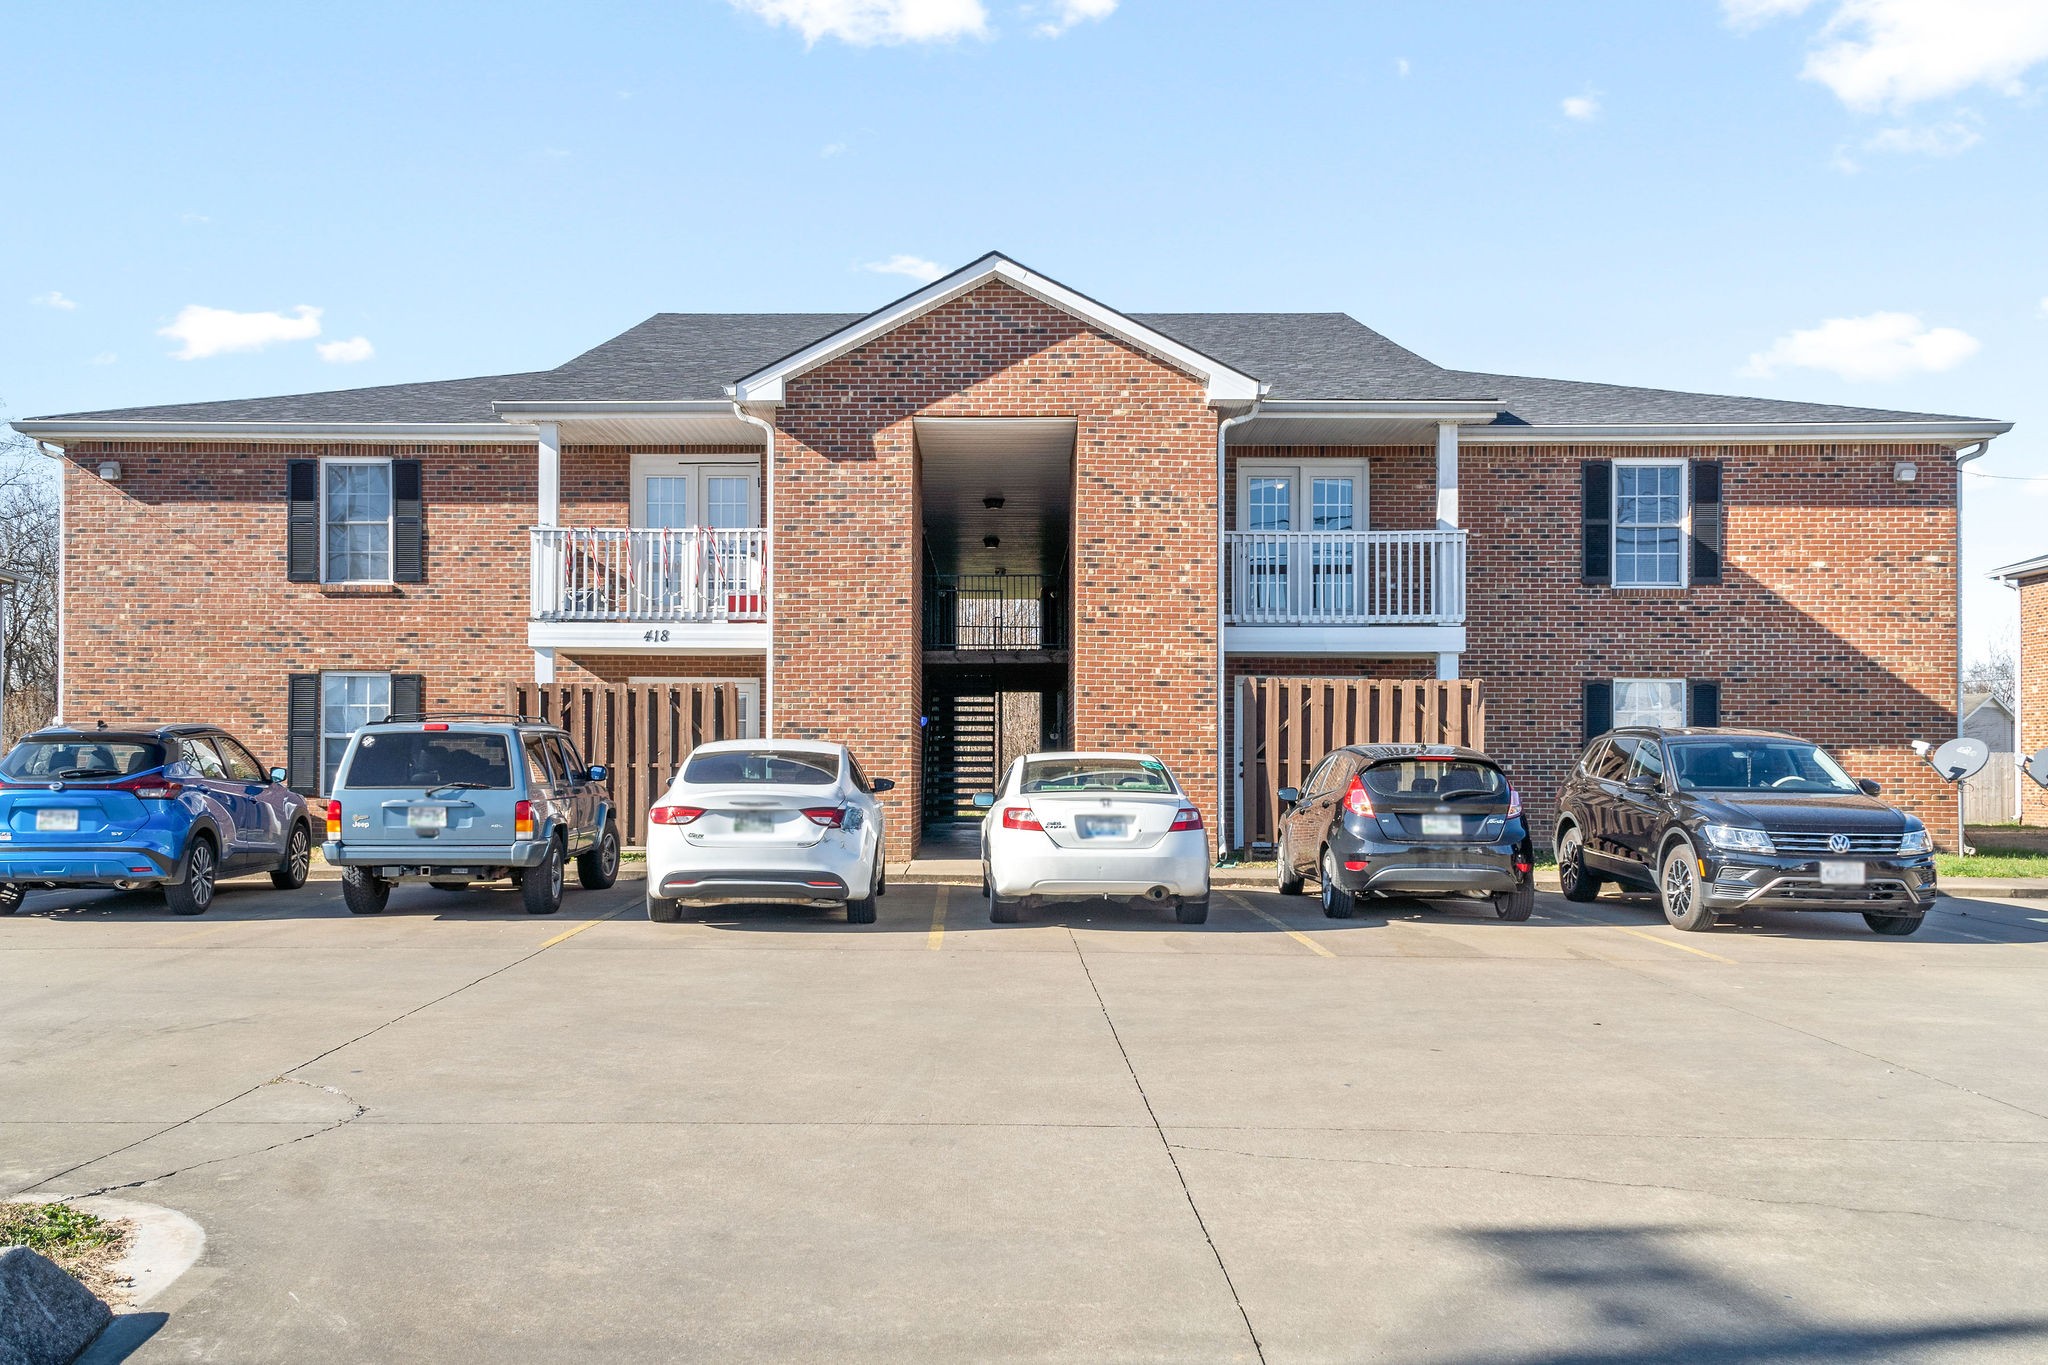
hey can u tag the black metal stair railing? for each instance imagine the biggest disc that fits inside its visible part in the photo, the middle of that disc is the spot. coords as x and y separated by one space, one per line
991 612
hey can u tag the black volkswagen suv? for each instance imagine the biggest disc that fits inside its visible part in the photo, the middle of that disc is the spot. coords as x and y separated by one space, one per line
1717 820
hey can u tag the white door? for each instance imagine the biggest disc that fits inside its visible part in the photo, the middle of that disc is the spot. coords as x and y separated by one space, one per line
692 571
1301 560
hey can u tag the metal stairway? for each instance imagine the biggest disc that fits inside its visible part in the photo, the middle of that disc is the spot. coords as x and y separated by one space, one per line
959 756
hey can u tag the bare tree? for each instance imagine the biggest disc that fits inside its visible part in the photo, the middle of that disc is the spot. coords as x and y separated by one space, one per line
1996 671
29 552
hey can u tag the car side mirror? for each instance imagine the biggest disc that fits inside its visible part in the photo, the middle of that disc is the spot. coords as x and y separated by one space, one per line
1867 787
597 772
1289 795
984 800
1642 782
880 785
279 776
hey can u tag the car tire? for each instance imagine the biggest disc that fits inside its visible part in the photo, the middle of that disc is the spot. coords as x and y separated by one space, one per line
1003 909
541 888
1194 910
1285 881
364 892
1578 882
1337 902
599 868
1679 889
1893 926
198 872
862 911
1516 905
290 875
12 898
662 910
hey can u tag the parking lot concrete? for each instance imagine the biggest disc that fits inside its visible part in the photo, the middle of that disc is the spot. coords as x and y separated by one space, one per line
1423 1135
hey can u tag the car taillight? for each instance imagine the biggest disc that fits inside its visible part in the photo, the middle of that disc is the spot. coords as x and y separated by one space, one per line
151 788
1187 817
1514 803
674 815
334 819
1021 817
831 817
522 820
1356 801
435 726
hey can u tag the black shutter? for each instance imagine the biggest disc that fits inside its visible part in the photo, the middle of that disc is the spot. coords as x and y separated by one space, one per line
1706 521
408 555
1599 709
302 732
1703 702
302 522
408 694
1596 521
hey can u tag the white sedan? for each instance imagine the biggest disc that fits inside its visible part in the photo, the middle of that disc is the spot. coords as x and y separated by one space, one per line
1092 826
748 821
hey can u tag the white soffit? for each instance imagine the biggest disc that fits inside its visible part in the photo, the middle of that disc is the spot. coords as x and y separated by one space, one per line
1225 385
594 423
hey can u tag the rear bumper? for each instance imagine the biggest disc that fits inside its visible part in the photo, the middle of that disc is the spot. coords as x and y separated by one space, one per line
73 866
1908 885
1071 874
743 886
1422 869
422 859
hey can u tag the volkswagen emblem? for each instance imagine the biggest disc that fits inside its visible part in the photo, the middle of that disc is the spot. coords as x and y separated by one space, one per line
1838 843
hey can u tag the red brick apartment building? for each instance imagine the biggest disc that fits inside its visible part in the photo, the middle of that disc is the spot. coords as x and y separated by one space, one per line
2030 578
996 486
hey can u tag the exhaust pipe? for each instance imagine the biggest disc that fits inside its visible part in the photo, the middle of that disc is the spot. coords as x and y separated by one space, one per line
1158 893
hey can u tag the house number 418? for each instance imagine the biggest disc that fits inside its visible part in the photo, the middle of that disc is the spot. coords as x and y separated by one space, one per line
655 637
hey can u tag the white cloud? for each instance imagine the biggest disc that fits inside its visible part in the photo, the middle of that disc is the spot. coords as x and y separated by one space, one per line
1950 137
351 352
1067 13
1400 66
831 149
1581 107
216 331
104 358
865 23
55 299
916 267
1877 54
1880 346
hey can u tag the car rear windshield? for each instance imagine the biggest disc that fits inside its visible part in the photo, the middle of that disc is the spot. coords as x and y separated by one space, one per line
1053 775
419 759
76 760
1785 765
766 767
1452 780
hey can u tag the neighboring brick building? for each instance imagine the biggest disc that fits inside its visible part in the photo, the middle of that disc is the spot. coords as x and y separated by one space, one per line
997 486
2030 578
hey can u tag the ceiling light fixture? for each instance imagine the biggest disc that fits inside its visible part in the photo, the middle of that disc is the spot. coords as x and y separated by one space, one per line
993 502
990 542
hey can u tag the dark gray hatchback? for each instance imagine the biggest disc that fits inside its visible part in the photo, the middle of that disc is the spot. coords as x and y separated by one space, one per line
1407 820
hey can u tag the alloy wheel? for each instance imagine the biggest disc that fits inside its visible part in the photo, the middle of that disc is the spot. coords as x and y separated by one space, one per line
608 854
199 873
1680 884
1568 862
300 855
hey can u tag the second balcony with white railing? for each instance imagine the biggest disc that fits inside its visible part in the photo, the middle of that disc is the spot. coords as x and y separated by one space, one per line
1346 578
686 575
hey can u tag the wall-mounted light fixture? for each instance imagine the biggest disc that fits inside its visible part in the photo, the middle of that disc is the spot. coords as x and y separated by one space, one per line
110 470
993 502
1905 472
990 542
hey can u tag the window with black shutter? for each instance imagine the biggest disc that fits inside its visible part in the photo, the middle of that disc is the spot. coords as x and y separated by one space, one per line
1596 521
302 521
408 545
1706 521
408 694
1599 698
302 732
1703 702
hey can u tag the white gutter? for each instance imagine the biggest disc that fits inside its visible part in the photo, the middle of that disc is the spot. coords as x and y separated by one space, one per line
548 410
59 431
768 697
1223 773
1962 807
1959 433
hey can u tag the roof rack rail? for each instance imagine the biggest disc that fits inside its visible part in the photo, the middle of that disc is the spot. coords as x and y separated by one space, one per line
413 717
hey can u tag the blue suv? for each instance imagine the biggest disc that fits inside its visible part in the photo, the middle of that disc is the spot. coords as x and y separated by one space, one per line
171 806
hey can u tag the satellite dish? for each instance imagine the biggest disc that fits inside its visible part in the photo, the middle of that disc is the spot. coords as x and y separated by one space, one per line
1960 758
2037 768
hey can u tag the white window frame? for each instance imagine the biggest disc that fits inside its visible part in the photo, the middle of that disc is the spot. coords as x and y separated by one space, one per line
1684 701
1305 473
749 690
327 778
390 519
1614 528
698 470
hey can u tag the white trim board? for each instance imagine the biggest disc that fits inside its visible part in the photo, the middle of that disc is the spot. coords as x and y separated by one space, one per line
1337 642
630 637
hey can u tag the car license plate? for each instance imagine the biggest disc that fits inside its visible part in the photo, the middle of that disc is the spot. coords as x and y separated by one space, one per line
752 824
1841 874
1101 826
427 817
1443 824
61 817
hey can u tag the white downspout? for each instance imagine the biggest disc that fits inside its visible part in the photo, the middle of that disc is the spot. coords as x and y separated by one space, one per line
63 459
1962 805
768 695
1223 774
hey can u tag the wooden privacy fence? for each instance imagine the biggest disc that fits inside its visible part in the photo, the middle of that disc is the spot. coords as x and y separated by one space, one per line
642 732
1988 798
1286 725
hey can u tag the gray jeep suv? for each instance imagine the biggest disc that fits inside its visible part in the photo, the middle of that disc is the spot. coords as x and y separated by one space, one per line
460 800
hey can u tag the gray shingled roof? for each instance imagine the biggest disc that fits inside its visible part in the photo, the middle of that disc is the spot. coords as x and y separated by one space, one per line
1301 355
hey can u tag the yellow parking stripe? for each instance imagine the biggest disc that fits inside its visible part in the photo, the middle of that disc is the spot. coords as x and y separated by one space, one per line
587 924
1303 939
938 933
1648 938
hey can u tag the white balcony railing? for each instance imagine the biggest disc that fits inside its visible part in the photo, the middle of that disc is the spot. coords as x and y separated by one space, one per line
1346 578
693 574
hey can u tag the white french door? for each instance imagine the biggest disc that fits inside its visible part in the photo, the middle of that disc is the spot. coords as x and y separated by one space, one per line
676 494
1298 523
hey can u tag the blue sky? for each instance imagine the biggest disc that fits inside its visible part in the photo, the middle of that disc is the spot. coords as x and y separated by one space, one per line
1836 200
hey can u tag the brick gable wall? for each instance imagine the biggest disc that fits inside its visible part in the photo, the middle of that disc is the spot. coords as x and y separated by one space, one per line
2033 693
